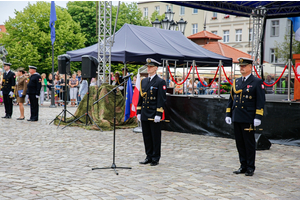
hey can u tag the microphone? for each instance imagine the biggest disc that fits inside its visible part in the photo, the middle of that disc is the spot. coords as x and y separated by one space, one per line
127 76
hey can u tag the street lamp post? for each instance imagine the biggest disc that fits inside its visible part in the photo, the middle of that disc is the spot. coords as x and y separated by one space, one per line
169 24
165 23
181 25
156 23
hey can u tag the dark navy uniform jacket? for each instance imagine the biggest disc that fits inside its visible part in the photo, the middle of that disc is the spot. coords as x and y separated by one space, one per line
247 100
8 82
152 98
34 84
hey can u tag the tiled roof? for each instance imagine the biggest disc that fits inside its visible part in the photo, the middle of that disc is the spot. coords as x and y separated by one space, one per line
3 29
225 50
204 34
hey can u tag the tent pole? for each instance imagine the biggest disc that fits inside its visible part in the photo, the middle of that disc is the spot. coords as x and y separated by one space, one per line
193 81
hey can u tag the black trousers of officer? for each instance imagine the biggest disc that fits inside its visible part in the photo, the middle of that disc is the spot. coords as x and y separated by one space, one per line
8 105
34 107
152 139
245 143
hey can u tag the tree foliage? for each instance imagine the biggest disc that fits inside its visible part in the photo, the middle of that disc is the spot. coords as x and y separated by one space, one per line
85 13
283 49
28 37
155 16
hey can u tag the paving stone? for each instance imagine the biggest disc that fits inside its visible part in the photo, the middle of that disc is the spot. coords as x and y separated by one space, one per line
41 161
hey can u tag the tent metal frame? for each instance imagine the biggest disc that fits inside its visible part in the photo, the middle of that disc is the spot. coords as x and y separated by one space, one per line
104 37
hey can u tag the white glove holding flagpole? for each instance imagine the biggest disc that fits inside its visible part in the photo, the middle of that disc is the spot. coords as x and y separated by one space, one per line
139 117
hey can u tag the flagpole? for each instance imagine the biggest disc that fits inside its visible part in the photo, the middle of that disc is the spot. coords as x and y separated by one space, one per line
52 33
52 86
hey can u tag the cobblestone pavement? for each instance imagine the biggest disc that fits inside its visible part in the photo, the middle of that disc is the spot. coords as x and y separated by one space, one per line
39 161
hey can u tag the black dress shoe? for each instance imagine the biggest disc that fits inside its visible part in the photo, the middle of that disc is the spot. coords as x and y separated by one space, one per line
4 116
146 161
240 171
29 120
8 117
21 118
249 172
154 163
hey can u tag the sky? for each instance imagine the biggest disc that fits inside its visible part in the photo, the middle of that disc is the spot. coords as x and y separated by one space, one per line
8 7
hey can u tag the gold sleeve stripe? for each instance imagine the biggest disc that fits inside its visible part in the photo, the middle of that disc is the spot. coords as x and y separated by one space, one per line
260 112
138 107
228 110
160 109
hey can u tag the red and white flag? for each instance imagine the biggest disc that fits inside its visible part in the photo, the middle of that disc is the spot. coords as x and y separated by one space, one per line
135 97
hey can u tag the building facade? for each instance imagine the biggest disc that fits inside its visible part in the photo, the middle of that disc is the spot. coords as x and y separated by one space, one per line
194 17
235 31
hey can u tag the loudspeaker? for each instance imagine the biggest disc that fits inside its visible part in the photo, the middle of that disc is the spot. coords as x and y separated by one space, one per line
89 66
262 143
64 64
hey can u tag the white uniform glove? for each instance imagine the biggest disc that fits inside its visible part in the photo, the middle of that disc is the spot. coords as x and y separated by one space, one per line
1 94
139 117
157 119
27 96
228 120
11 94
257 122
36 96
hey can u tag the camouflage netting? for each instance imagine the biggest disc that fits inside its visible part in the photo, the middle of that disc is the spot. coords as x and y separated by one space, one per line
102 112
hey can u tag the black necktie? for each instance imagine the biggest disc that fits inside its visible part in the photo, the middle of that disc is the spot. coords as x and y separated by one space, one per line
149 79
244 78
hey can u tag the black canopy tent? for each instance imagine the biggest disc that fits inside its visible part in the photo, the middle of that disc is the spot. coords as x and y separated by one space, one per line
133 44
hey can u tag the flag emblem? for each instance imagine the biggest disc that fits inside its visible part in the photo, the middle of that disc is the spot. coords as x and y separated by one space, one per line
164 87
262 86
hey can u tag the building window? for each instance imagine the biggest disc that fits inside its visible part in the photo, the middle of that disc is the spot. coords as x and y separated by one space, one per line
182 10
275 28
273 56
226 36
215 32
195 11
145 12
0 29
215 15
157 9
250 34
238 35
194 28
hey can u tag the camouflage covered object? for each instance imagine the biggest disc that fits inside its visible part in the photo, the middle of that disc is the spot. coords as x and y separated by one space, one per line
102 112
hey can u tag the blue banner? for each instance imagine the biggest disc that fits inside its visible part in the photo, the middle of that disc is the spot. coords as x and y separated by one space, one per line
128 101
296 26
52 21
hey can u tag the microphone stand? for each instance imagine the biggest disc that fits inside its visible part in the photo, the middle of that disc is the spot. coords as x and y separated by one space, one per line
86 113
113 166
63 113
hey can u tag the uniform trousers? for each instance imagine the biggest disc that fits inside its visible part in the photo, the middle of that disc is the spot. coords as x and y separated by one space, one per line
8 105
34 107
245 143
152 139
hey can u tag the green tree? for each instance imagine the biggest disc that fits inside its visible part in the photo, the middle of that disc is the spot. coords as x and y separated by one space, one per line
28 37
130 14
155 15
283 49
85 13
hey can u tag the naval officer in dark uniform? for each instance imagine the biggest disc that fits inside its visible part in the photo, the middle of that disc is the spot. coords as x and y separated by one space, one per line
150 108
8 87
33 91
245 109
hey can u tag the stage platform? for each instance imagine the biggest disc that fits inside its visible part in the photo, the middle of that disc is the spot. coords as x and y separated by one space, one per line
205 115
